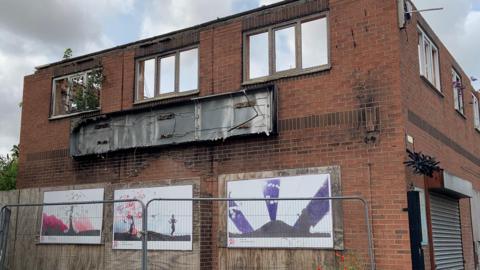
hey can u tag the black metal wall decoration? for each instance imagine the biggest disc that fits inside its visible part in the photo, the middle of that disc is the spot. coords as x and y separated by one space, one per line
422 164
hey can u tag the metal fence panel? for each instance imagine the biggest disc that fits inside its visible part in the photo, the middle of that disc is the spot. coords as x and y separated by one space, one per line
4 225
192 233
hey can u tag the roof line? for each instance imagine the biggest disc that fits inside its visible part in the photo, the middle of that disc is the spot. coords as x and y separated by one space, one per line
195 27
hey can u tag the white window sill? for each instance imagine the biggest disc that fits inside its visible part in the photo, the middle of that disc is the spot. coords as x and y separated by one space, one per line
56 117
167 96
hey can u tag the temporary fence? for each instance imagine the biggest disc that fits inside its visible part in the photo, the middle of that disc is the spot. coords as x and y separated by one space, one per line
184 233
58 245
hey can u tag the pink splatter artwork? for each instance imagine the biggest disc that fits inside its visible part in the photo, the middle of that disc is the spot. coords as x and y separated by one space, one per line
53 223
82 224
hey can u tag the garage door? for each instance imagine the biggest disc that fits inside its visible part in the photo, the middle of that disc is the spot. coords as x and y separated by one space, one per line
446 232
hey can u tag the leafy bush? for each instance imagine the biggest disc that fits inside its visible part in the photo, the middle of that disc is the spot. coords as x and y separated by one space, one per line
9 169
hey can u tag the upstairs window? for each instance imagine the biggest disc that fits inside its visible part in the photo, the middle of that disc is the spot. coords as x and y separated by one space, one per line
287 49
77 93
476 112
428 59
167 75
457 92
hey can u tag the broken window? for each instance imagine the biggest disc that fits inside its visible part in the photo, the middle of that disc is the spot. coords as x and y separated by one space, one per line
457 92
428 59
77 93
290 48
146 79
167 74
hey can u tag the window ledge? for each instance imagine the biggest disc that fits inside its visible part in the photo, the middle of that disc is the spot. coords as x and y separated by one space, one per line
477 129
432 87
167 96
287 74
56 117
459 113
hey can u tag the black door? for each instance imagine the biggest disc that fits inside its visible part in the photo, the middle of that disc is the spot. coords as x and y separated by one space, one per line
415 222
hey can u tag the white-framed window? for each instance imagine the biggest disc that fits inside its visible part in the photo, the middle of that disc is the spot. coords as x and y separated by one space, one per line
476 112
169 74
428 59
287 49
76 93
423 215
458 90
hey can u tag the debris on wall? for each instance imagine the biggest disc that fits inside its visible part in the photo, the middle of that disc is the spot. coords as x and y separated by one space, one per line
207 118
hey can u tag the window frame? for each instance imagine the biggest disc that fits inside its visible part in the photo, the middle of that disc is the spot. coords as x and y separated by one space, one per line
270 30
476 112
458 99
423 216
157 57
83 74
429 65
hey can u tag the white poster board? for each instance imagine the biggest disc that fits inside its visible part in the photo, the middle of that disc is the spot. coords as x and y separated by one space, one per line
72 224
280 224
169 222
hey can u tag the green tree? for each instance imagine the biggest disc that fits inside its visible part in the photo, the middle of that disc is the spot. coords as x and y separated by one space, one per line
9 169
67 54
86 95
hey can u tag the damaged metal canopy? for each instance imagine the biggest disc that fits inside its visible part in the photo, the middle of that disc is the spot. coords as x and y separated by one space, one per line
200 119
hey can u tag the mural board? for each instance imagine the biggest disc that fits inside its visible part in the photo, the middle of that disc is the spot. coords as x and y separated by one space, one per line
280 224
72 224
169 222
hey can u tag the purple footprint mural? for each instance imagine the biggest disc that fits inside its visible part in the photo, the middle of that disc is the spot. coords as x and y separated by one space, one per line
238 218
272 191
315 210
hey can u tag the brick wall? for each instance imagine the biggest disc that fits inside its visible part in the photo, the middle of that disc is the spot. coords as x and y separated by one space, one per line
438 129
350 116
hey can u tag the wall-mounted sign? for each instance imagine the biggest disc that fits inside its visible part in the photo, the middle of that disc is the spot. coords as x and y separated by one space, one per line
281 224
72 224
169 222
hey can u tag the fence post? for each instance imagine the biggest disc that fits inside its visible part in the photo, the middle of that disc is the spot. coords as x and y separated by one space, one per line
145 237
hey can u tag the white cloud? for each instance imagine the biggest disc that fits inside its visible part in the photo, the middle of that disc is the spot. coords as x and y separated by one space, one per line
33 33
268 2
164 16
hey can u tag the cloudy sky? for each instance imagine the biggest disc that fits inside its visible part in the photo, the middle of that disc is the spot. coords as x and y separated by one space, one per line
34 33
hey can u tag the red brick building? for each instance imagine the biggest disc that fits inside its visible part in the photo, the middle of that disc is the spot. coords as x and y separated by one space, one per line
352 84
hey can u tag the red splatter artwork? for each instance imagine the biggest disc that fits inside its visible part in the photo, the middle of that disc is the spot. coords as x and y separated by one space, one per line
53 223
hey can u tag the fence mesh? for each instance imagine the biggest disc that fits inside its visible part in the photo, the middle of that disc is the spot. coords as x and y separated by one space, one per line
189 234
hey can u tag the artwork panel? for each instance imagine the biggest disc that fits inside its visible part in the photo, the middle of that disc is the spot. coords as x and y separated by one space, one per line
169 222
72 224
279 223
